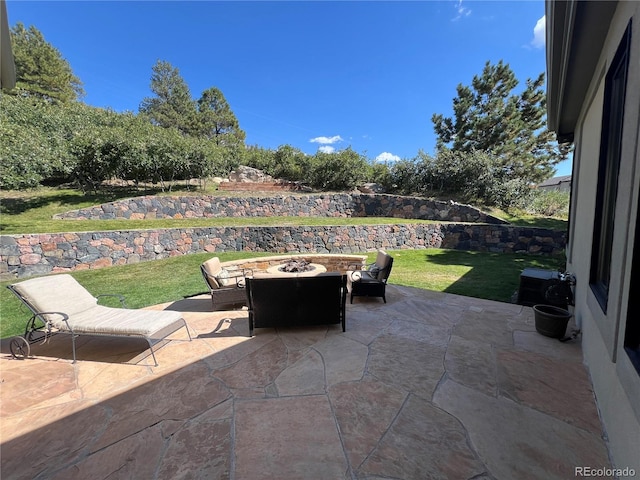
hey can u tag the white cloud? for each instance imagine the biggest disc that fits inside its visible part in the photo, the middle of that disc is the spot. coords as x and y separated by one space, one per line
539 33
326 140
387 157
461 11
326 149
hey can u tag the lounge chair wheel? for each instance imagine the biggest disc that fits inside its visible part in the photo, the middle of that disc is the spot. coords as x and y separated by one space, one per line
20 348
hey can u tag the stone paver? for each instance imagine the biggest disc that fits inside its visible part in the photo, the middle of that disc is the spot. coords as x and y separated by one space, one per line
288 437
429 385
407 364
473 364
520 442
550 385
424 442
364 411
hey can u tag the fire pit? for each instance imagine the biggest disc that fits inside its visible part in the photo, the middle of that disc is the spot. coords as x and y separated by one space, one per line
296 267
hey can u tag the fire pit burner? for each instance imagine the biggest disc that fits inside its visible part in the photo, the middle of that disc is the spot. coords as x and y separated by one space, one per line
296 266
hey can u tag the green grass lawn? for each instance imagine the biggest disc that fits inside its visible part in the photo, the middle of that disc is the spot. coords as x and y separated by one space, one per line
484 275
523 219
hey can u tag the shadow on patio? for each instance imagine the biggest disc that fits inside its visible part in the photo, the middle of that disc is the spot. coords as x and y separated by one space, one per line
430 385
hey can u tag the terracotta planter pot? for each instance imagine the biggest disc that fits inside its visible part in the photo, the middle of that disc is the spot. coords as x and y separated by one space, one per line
551 321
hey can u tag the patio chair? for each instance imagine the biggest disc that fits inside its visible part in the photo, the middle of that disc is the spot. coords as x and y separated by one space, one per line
226 285
372 280
61 305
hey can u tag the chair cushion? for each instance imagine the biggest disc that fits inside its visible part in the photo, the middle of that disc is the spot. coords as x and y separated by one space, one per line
374 270
212 267
223 277
230 276
382 259
360 276
121 321
56 293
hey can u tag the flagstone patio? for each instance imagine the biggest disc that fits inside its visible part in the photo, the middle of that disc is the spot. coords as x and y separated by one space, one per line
429 385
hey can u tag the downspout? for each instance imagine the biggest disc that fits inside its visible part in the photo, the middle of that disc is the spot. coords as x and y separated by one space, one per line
7 65
565 56
561 14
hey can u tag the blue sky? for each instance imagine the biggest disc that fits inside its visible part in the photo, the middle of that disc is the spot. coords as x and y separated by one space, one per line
314 75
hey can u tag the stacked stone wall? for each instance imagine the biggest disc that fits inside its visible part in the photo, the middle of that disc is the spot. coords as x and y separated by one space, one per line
322 205
36 254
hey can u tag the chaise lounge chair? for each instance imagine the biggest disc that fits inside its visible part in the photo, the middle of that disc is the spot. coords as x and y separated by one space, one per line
62 305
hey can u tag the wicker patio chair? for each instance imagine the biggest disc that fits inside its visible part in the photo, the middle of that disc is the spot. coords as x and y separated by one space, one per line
226 285
371 281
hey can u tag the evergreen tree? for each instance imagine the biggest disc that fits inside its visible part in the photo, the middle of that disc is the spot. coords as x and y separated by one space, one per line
216 121
489 117
40 68
172 105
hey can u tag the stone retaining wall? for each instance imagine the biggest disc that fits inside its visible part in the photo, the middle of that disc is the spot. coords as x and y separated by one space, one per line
325 205
38 254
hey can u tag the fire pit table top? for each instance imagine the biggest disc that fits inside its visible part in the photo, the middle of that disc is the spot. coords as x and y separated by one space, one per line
279 270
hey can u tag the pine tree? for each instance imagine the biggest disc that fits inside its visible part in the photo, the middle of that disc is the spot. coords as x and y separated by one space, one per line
40 68
216 121
172 105
489 117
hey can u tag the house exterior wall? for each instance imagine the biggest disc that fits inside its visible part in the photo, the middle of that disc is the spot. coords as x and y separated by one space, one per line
616 382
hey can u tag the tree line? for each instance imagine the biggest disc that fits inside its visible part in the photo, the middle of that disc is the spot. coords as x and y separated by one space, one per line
493 147
48 143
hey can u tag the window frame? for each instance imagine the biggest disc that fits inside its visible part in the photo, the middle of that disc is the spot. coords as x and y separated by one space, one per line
608 171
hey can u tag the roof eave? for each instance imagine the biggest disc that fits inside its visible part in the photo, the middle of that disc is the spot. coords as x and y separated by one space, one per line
576 32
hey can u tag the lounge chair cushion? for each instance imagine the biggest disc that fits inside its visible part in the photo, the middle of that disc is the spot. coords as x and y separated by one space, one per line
62 293
118 321
59 293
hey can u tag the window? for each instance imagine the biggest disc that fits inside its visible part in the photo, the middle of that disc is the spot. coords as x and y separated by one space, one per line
609 167
632 330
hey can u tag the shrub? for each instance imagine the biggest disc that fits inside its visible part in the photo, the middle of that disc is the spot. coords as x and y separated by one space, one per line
549 203
342 170
404 177
33 141
258 157
290 163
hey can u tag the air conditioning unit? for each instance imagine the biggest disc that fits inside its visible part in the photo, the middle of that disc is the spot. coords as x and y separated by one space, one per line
536 288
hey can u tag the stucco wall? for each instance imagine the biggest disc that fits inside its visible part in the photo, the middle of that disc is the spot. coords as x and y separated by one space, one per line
616 382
